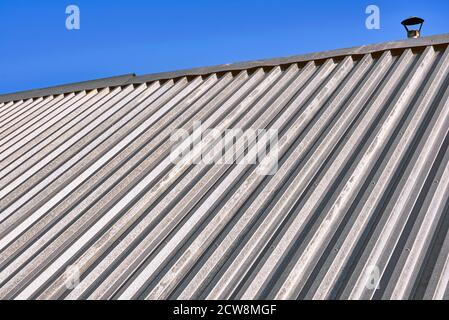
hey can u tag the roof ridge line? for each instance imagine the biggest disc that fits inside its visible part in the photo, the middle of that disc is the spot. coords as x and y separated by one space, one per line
137 79
66 88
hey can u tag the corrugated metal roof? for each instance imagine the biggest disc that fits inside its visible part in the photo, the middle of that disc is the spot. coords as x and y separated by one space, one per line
87 182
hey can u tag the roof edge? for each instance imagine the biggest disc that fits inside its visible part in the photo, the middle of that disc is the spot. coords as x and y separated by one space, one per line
134 79
66 88
359 50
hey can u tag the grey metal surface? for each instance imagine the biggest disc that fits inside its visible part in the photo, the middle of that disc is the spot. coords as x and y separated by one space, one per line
87 183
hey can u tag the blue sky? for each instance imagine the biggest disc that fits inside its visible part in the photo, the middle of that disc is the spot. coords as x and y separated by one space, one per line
119 37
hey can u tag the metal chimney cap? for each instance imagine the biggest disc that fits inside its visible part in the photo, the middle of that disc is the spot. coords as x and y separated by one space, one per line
412 21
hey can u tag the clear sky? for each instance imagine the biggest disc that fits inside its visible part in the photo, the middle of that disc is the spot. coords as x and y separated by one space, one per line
119 37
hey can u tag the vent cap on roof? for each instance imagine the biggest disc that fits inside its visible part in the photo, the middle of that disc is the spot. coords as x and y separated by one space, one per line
413 21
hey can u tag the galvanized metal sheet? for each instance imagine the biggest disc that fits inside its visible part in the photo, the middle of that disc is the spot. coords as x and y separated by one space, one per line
93 207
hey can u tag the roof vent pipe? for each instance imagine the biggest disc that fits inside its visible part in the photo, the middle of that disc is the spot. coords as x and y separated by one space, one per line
413 21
